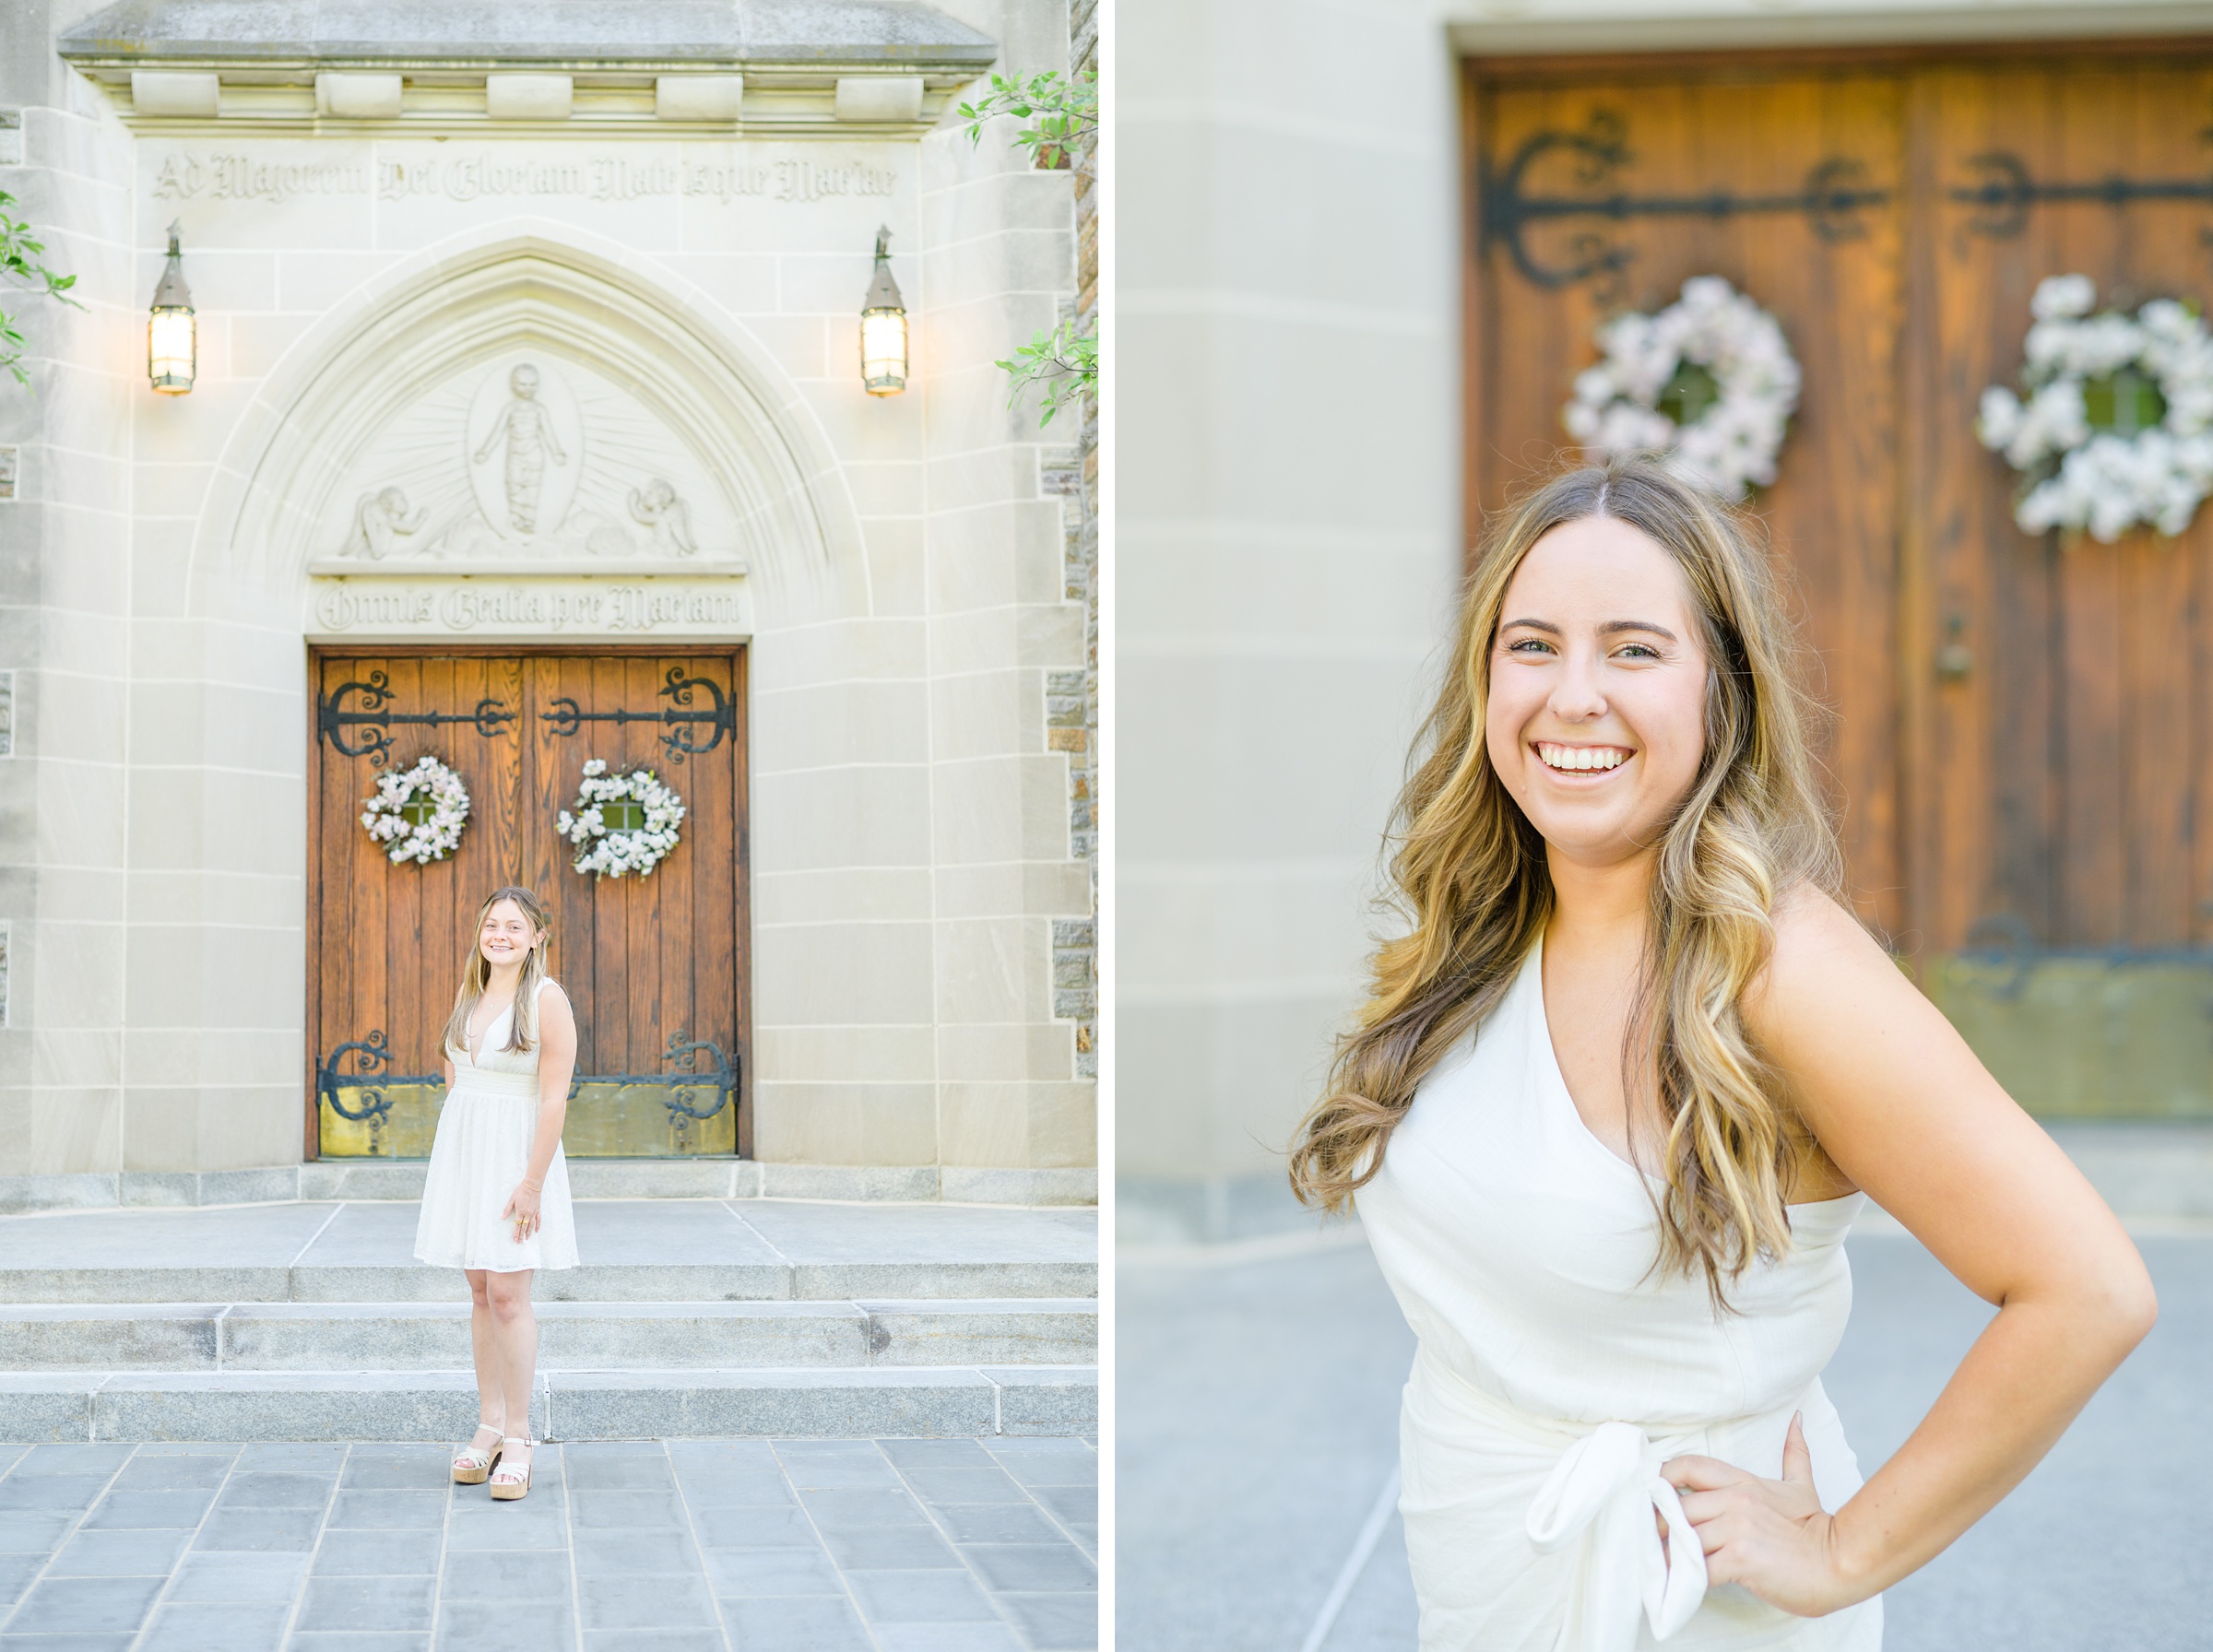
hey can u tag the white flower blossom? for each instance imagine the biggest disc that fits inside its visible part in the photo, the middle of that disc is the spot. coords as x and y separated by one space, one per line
2063 298
1734 443
434 838
2104 482
614 852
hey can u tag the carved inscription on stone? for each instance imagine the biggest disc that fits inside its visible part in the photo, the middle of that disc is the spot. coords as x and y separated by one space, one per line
479 605
751 171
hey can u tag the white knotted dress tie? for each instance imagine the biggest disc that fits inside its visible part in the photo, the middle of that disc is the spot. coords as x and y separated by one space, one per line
1600 1495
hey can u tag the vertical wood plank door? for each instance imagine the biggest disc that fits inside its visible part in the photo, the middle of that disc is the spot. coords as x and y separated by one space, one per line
1832 278
655 966
652 963
2021 741
2060 793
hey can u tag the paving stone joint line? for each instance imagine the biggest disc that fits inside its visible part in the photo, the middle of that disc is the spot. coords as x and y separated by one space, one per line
279 1547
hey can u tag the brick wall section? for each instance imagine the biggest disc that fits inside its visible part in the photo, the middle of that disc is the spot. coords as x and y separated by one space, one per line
1071 702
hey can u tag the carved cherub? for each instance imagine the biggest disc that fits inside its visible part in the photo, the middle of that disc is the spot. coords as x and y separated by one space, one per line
528 430
656 505
379 521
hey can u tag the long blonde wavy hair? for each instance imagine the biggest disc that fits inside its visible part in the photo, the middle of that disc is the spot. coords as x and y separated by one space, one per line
476 973
1470 882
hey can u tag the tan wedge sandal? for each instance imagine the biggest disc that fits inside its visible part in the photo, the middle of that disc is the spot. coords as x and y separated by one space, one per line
512 1484
473 1463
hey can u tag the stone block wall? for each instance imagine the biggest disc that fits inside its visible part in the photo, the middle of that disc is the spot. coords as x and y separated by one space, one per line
1287 547
912 850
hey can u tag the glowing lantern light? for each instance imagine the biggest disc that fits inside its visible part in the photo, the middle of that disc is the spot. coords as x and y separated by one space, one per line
883 328
171 335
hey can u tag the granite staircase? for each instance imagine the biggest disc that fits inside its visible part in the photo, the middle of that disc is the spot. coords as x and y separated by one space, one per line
692 1318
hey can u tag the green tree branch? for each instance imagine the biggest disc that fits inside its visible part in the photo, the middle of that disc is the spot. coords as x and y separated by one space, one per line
1059 114
1061 365
1060 119
22 261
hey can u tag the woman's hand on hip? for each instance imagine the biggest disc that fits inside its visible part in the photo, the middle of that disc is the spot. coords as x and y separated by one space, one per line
1771 1536
523 1211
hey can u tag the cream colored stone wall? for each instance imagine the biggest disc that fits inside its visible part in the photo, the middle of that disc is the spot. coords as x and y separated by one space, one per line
902 595
1284 545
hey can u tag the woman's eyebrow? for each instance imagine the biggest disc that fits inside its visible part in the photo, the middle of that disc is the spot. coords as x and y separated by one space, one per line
1606 630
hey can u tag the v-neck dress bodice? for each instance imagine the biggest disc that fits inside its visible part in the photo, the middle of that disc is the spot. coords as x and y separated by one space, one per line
1557 1368
481 1152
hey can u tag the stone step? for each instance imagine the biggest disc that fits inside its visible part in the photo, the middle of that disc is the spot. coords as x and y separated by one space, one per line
873 1402
573 1336
661 1282
636 1251
354 1179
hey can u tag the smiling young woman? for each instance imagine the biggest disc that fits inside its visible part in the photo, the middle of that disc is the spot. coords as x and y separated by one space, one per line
1609 1111
495 1200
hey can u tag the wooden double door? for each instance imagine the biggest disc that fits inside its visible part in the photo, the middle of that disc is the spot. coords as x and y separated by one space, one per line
2023 745
656 965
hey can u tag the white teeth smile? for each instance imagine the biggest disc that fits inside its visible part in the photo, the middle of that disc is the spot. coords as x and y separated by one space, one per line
1581 759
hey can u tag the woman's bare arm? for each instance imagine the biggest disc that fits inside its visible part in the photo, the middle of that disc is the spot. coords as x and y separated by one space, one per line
1902 1107
556 1064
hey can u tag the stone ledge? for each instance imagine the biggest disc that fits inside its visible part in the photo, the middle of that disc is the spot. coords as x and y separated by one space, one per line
853 66
377 1180
968 1403
966 1184
237 1338
278 32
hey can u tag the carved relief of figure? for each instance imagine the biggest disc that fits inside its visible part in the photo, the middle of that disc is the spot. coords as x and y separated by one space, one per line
528 430
657 507
379 520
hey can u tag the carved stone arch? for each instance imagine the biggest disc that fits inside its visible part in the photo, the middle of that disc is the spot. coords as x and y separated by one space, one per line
454 308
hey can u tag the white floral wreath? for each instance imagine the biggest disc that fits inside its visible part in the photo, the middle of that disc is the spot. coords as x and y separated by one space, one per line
610 850
1713 355
419 813
2118 427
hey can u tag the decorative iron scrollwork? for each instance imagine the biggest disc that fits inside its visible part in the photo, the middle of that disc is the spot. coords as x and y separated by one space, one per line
683 717
375 718
1835 192
2005 937
688 1081
370 1054
2005 192
682 1053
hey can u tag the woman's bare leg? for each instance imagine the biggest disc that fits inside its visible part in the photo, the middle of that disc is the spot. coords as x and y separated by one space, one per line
492 1381
514 1336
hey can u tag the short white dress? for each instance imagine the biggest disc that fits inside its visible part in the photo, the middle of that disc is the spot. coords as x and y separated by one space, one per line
1556 1371
481 1152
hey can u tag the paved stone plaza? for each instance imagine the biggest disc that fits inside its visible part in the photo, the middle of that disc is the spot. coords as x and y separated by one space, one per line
795 1546
1258 1427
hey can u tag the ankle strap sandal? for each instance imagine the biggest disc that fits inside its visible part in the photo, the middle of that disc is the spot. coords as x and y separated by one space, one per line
511 1484
473 1463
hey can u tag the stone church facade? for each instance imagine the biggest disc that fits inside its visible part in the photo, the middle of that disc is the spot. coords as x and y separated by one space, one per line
527 427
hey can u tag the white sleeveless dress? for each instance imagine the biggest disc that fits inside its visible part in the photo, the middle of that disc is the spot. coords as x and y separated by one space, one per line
481 1152
1555 1369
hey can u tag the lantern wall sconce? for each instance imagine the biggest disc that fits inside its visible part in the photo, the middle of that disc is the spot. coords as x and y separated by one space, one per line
884 327
171 335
